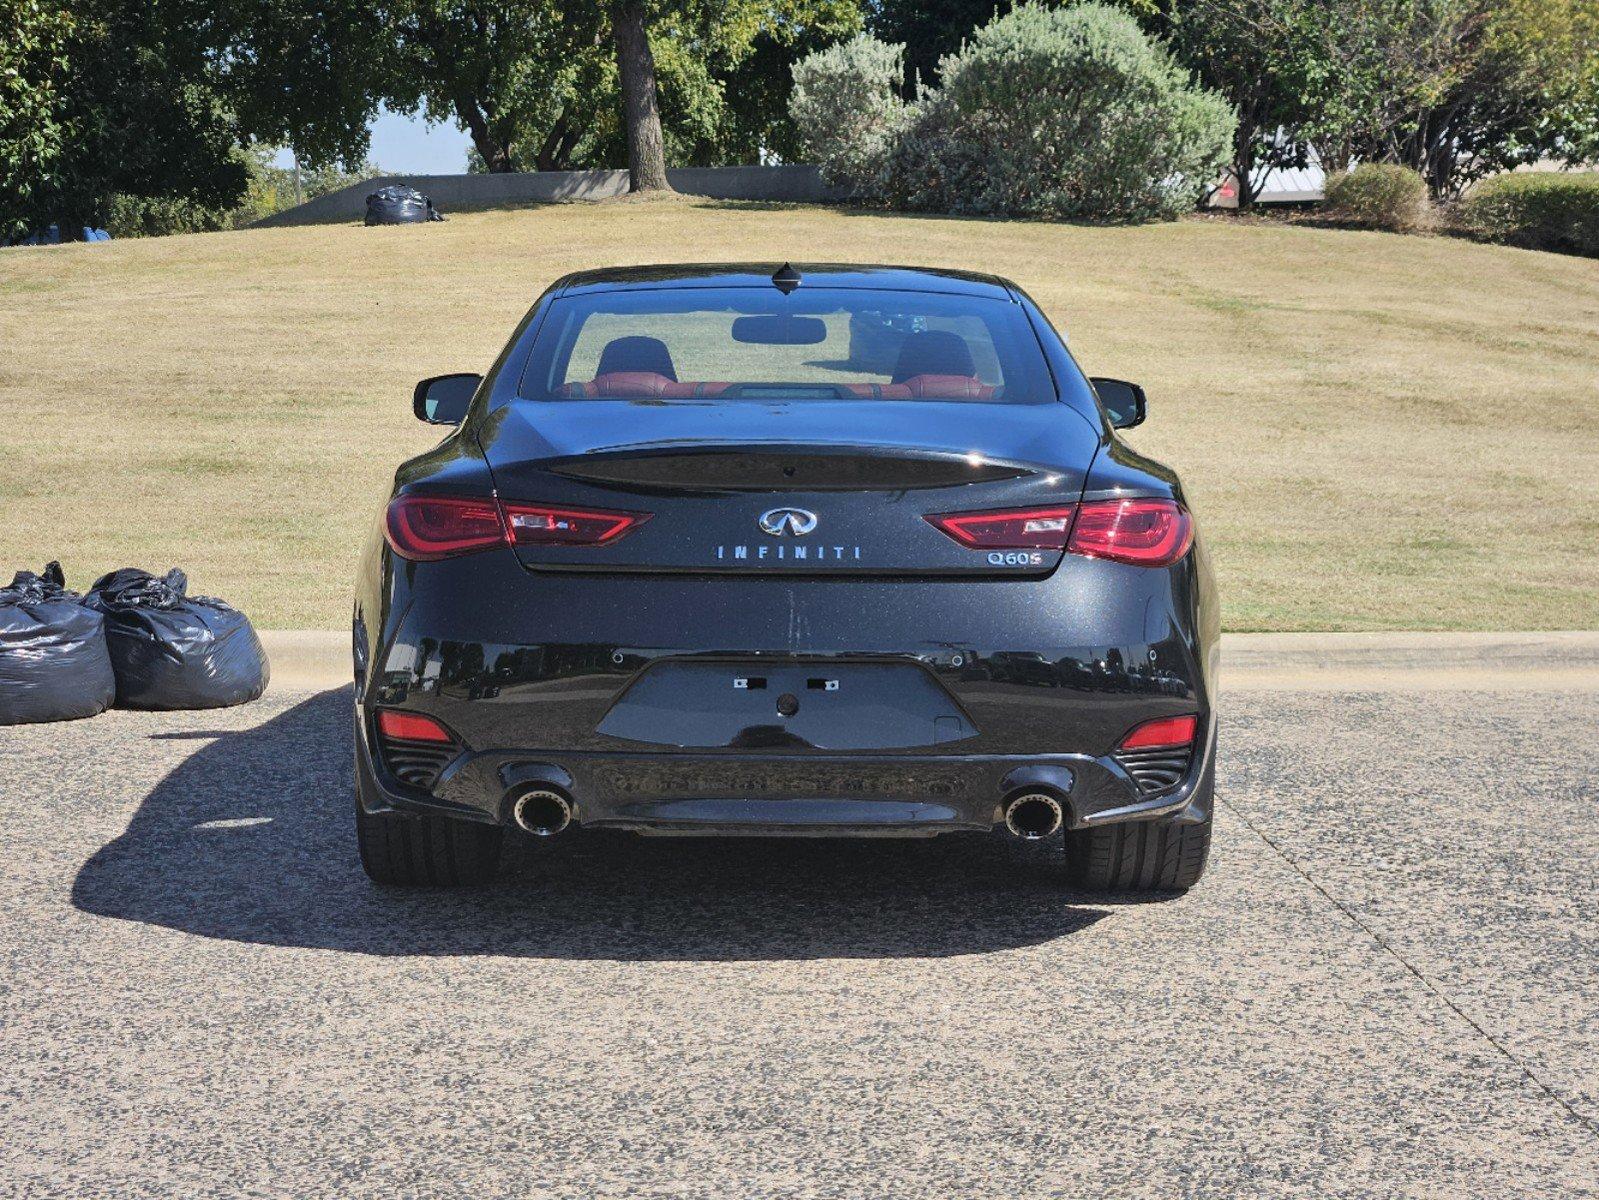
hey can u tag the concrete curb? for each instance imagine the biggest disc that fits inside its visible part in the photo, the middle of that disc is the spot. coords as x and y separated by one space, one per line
307 658
316 659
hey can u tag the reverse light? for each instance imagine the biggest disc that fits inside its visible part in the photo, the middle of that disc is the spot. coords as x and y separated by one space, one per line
1163 731
1146 533
543 525
427 528
1009 529
411 727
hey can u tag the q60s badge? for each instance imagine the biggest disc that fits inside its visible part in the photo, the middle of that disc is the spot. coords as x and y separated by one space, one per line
1015 558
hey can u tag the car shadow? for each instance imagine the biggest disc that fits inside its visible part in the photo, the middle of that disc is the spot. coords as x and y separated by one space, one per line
251 839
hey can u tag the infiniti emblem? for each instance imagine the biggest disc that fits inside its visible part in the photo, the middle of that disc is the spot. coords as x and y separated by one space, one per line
787 522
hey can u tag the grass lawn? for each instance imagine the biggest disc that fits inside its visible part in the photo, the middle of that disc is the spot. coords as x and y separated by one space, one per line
1379 432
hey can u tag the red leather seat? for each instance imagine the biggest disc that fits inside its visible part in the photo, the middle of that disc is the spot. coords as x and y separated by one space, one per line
631 384
947 387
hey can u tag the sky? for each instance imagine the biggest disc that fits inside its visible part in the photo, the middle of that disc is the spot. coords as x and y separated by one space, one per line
409 146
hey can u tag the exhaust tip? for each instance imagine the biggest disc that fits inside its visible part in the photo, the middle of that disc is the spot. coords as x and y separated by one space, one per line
542 812
1033 816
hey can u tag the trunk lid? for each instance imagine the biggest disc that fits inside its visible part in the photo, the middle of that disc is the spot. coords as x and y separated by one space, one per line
719 480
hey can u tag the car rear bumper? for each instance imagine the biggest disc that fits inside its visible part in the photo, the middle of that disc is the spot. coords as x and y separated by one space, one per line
787 795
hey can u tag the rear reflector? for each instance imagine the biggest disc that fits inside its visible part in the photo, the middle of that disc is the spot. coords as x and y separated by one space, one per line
1009 529
1164 731
427 528
1146 533
411 727
542 525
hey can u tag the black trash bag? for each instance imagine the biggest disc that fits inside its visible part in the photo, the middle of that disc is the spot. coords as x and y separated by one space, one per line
172 650
53 660
397 205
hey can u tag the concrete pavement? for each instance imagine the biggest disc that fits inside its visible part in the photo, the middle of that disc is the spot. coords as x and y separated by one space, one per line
1385 987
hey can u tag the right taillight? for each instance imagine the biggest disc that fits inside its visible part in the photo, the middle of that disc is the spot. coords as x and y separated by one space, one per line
1007 528
1146 533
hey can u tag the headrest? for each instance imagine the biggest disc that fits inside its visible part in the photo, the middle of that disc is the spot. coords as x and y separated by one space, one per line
933 352
628 355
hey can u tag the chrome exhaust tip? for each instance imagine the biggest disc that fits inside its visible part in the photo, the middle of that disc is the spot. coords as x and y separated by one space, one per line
1033 816
542 812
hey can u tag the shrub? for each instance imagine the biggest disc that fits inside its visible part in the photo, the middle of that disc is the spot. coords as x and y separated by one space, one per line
1537 209
847 109
930 166
1378 196
1079 114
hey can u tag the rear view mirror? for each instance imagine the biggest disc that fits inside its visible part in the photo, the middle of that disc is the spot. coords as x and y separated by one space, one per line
779 330
1124 402
442 400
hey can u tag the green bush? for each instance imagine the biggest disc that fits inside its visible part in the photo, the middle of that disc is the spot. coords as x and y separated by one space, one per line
931 166
1378 196
1070 113
1080 115
1536 209
846 107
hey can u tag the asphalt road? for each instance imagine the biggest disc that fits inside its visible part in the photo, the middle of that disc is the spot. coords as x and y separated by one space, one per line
1387 986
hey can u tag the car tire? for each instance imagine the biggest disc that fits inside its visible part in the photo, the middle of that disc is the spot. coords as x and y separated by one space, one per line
1138 856
423 850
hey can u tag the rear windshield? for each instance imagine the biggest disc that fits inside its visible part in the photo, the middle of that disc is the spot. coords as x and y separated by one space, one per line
758 344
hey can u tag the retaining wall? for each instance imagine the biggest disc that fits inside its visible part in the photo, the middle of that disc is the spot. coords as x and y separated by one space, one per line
461 193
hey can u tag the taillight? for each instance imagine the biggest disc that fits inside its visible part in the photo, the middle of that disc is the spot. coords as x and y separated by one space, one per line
411 727
1009 529
1163 731
1146 533
434 527
543 525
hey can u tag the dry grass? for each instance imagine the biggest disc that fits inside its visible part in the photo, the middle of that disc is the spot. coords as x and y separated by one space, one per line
1380 431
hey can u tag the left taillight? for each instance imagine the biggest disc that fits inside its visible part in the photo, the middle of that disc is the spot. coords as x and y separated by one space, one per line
434 527
427 528
544 525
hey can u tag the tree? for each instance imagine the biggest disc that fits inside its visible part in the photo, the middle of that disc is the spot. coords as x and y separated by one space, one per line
121 98
34 126
1255 53
1452 88
1504 82
641 113
306 74
931 29
543 84
510 74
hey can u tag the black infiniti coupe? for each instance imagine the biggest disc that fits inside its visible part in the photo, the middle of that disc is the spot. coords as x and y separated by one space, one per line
806 551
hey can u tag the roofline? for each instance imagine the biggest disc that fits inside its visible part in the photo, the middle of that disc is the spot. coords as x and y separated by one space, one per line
857 276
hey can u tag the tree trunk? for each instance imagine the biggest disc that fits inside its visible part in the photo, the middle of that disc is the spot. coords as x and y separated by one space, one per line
646 150
1244 166
496 156
556 152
